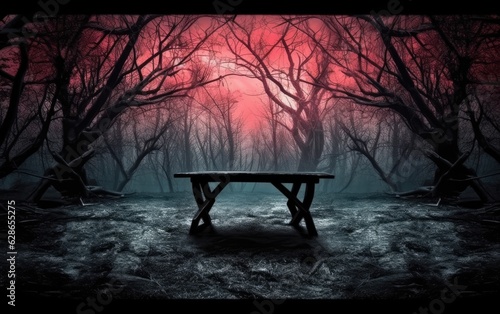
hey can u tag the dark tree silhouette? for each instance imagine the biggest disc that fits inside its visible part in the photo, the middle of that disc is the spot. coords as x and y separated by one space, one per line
281 58
222 127
421 68
147 131
112 65
26 113
272 141
384 144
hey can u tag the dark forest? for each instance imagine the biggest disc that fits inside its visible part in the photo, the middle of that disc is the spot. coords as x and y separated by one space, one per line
98 111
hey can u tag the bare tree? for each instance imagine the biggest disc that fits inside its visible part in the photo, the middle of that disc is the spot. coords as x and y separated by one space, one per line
379 138
483 113
186 124
473 45
168 150
218 106
115 64
281 59
147 131
275 139
338 159
25 113
416 67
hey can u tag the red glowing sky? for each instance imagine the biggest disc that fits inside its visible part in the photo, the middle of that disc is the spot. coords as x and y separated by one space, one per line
264 31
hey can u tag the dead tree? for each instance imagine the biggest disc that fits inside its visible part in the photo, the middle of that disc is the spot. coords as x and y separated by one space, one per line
219 108
418 67
109 67
25 123
147 138
281 63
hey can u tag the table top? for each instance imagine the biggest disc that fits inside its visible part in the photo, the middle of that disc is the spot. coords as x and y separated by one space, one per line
255 176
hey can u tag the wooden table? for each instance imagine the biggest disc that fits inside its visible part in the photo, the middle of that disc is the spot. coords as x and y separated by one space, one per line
299 209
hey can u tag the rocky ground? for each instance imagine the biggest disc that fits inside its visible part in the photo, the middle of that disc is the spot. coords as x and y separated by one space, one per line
370 248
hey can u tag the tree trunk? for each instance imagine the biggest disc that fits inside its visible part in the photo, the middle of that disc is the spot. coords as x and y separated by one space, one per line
167 168
451 182
310 152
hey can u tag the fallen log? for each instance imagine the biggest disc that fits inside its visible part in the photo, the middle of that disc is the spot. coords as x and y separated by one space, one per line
63 177
454 179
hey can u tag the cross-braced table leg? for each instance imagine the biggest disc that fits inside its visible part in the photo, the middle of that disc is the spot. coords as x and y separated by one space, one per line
291 204
299 209
205 199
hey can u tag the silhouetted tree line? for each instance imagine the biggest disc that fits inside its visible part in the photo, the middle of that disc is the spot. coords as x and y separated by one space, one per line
90 98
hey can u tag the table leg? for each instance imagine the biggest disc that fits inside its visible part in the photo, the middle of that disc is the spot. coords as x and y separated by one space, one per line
305 212
301 207
290 203
205 199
